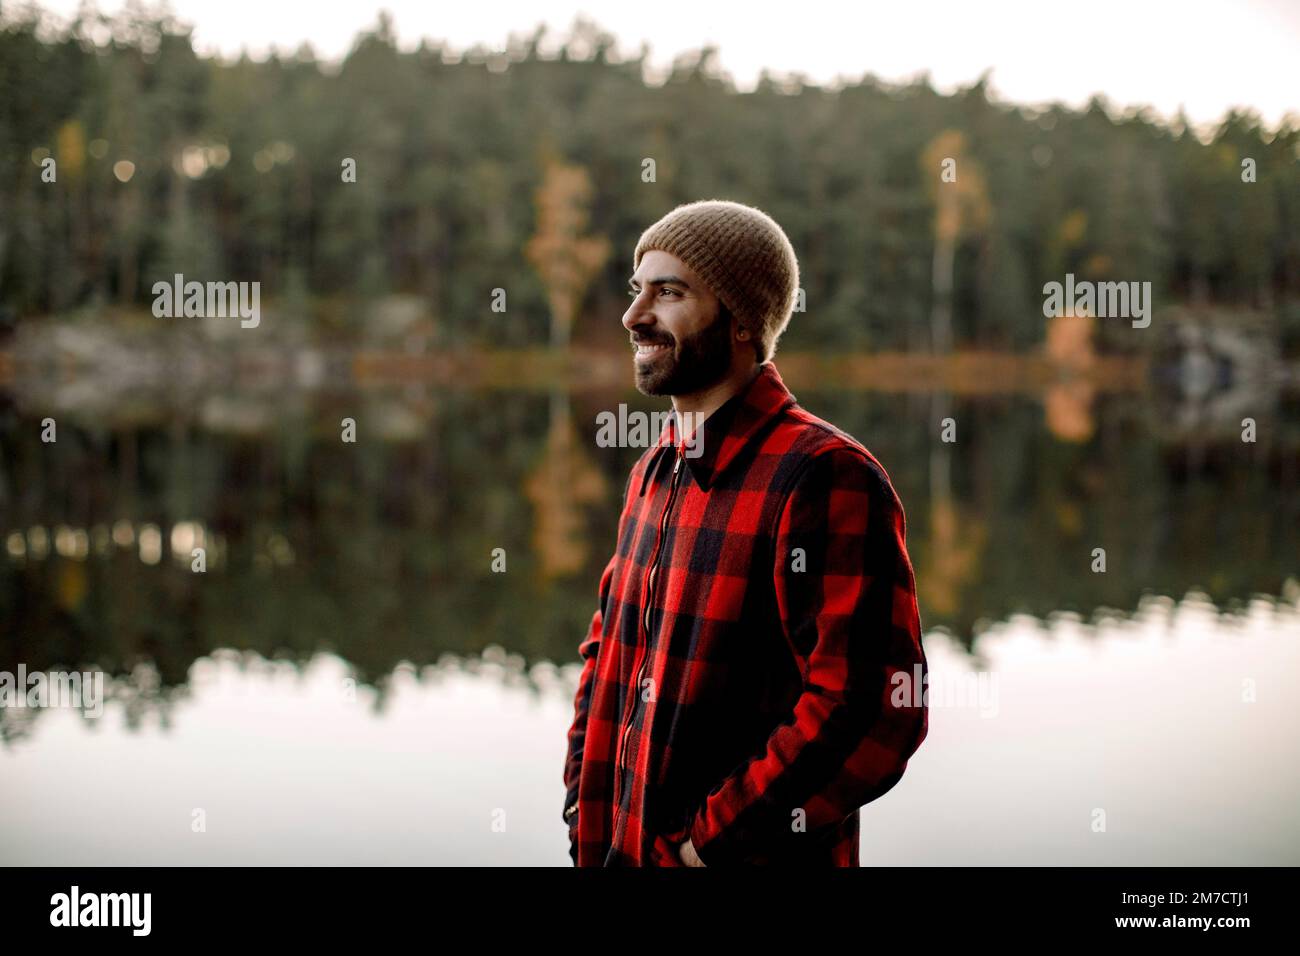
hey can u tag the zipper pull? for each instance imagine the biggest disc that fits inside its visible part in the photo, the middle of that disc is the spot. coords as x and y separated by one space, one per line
677 466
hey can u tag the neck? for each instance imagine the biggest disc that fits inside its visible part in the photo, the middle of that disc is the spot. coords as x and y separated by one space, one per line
700 405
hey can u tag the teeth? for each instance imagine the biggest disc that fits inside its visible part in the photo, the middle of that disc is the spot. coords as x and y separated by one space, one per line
648 349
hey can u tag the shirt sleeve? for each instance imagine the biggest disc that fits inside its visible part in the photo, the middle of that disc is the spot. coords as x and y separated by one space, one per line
847 602
587 651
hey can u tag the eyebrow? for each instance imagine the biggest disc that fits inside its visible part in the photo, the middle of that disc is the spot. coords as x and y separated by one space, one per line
663 280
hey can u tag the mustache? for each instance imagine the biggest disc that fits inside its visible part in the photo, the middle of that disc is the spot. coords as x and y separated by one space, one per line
643 341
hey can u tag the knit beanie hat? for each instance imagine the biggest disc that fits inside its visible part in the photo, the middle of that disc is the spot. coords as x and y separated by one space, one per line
741 254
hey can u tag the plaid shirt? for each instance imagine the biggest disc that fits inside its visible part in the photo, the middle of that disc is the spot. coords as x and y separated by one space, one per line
753 673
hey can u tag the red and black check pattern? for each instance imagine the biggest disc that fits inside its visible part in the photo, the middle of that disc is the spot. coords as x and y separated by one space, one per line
741 675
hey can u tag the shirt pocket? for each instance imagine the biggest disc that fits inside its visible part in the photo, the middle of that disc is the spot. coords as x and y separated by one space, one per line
663 852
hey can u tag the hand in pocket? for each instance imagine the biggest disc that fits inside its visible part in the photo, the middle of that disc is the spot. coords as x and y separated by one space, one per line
664 852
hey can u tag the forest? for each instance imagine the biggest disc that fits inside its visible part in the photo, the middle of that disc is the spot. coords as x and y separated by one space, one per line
485 170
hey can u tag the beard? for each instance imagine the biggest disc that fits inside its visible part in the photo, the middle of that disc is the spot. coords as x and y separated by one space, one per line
694 363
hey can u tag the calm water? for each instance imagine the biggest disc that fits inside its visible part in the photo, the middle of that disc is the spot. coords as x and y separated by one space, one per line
350 682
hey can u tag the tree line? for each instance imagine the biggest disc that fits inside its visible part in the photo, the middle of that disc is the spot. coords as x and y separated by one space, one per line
171 162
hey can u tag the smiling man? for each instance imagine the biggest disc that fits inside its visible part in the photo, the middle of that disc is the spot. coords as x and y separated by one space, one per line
748 675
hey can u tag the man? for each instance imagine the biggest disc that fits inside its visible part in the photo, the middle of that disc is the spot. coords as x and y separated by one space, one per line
750 676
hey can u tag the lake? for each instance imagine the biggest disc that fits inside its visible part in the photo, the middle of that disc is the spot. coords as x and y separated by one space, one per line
348 680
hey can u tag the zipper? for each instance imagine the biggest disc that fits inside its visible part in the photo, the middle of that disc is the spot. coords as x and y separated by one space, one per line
647 591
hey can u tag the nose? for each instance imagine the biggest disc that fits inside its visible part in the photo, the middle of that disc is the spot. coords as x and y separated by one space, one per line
638 314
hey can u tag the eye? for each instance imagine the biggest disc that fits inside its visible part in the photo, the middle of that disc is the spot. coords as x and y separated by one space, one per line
636 292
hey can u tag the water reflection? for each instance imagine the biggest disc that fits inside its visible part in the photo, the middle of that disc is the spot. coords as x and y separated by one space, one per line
457 762
381 551
334 573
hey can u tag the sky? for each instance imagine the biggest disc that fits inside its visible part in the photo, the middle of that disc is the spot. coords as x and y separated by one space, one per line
1204 56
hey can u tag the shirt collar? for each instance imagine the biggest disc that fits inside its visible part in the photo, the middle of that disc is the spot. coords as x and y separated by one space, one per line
730 429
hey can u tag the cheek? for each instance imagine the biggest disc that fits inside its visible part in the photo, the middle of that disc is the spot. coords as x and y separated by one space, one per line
686 323
672 326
